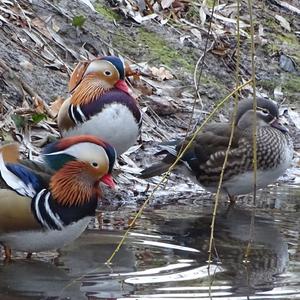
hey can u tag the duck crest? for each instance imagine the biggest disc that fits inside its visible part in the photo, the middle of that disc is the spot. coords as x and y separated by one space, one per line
88 90
81 189
72 140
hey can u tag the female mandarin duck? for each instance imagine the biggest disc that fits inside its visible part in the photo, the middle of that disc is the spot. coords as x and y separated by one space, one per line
101 104
204 159
43 207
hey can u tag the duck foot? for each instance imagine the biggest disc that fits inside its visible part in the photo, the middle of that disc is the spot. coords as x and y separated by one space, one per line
232 199
7 253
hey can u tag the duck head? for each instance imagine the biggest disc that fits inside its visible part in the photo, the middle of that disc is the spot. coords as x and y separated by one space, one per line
91 79
79 162
267 114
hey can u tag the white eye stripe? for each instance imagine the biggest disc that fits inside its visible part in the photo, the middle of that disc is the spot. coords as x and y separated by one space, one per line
122 60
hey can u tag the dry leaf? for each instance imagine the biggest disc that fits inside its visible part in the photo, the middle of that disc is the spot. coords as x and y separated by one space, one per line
161 73
196 33
56 105
89 4
290 7
202 15
38 105
260 30
283 22
278 94
166 3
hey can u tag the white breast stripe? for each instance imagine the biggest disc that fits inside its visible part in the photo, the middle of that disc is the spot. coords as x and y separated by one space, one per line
72 114
83 118
37 210
54 218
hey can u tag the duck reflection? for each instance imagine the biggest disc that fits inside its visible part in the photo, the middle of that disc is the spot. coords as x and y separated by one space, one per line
166 256
268 256
73 275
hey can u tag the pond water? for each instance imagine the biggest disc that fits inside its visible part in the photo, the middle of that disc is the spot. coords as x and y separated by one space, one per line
165 256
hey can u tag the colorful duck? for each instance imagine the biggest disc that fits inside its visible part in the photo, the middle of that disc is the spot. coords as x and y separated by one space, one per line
44 206
101 104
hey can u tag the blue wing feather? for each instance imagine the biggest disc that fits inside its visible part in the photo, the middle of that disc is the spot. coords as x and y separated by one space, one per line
26 175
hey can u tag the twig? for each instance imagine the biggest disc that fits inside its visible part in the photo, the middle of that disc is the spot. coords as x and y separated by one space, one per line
211 241
37 99
254 161
165 177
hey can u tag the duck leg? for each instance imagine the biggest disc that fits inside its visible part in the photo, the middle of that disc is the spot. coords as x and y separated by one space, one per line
7 253
232 199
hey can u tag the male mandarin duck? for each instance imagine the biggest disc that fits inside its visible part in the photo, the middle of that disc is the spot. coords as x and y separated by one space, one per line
100 104
204 159
45 206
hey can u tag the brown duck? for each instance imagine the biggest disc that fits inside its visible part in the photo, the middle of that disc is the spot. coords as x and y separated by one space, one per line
203 161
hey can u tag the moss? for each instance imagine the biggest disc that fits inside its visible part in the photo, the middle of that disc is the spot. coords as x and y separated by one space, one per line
192 14
288 38
291 83
271 48
210 3
125 44
268 84
107 12
271 23
159 50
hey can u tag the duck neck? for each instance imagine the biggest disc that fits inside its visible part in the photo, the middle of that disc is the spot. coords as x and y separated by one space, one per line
71 197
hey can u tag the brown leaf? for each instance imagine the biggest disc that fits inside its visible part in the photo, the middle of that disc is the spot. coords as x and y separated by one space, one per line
39 105
129 72
161 73
56 105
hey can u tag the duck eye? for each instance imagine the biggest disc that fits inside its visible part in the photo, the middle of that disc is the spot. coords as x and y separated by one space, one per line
107 73
265 112
94 164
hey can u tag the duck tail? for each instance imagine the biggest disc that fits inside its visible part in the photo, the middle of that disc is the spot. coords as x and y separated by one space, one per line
155 170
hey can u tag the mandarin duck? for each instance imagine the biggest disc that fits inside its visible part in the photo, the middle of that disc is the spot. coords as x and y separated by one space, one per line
45 206
204 159
100 104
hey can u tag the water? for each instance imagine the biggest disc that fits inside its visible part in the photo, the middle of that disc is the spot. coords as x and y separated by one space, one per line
165 257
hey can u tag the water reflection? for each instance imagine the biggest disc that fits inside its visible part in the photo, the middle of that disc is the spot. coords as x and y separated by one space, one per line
166 256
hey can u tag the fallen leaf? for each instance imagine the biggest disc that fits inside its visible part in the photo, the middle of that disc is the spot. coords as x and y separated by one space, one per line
39 105
89 4
161 73
202 15
196 33
56 105
290 7
283 22
166 3
278 94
